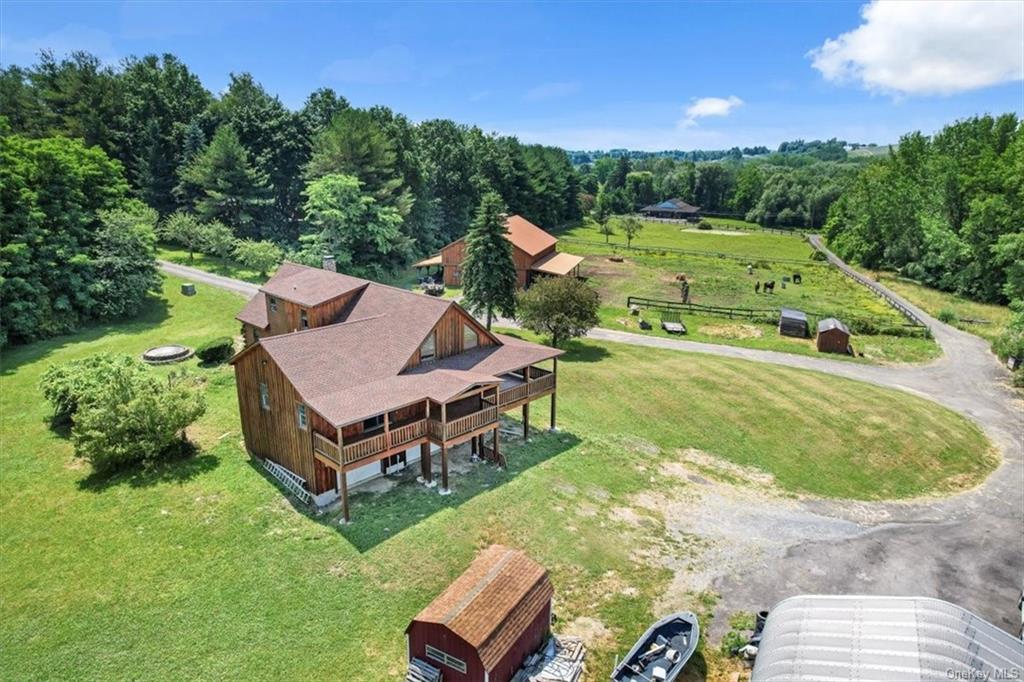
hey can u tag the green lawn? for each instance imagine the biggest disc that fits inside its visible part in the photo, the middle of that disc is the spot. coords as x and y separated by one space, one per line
751 244
987 320
875 349
725 282
202 569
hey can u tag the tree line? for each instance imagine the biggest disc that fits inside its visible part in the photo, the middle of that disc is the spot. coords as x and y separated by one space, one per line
783 189
947 211
368 185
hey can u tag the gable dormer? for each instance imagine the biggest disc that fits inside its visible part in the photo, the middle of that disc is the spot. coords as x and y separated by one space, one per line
456 332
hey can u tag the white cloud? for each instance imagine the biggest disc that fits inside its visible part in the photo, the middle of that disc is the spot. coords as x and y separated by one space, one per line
384 66
710 106
550 90
928 48
61 42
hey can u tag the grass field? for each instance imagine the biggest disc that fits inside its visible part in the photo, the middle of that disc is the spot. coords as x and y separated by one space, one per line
748 244
986 320
202 569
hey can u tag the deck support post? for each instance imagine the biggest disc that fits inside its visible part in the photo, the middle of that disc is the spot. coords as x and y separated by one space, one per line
526 420
497 447
554 391
344 495
473 449
444 470
426 466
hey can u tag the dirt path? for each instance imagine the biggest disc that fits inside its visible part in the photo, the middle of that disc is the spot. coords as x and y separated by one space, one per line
763 547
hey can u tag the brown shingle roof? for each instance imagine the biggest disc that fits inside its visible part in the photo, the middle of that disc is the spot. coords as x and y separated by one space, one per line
354 369
528 236
493 602
255 311
309 286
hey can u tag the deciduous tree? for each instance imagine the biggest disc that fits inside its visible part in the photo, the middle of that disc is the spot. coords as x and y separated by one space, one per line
560 308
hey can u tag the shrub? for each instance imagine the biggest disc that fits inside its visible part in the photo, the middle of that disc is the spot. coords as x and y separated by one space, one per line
67 387
947 315
134 417
216 350
704 225
260 256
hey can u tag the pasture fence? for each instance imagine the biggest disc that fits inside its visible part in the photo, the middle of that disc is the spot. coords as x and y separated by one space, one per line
858 324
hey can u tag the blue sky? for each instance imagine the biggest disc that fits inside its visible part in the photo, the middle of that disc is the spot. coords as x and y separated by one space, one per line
585 75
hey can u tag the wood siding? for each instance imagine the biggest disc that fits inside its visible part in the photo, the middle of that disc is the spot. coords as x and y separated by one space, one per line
440 637
451 261
532 638
448 335
288 316
273 433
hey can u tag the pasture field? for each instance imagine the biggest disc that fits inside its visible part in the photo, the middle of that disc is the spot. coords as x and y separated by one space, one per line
202 568
750 243
987 320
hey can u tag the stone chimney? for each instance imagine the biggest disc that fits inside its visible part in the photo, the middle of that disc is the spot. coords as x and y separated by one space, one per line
329 263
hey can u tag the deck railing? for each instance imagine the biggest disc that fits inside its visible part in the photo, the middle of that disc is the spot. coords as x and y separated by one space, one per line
471 422
408 433
513 395
365 448
542 384
326 447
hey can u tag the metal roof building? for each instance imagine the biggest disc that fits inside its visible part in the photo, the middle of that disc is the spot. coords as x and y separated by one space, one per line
903 639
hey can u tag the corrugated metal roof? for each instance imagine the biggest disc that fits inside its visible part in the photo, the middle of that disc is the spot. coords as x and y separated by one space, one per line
902 639
830 323
557 263
791 314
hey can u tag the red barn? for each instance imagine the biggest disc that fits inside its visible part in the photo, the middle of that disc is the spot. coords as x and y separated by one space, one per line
488 621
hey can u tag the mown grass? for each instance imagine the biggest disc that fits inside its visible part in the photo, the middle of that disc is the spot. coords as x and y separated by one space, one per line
202 569
878 348
725 282
751 244
986 320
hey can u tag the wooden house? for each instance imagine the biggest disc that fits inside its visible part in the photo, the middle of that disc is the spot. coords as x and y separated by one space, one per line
672 209
833 336
533 252
487 622
343 380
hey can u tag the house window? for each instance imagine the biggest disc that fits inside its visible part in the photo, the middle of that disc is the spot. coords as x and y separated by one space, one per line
273 304
373 423
429 348
264 396
255 334
300 413
469 337
303 319
446 659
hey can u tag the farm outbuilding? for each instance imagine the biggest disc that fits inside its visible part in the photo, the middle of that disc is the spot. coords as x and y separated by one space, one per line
793 323
815 638
833 336
487 622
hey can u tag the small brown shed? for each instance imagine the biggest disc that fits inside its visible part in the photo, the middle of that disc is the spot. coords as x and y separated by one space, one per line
833 336
485 624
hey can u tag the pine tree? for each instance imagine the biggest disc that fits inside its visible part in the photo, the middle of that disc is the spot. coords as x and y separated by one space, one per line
488 271
230 189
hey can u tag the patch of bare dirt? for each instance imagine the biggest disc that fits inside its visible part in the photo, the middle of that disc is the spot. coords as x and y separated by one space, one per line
732 331
593 632
708 463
